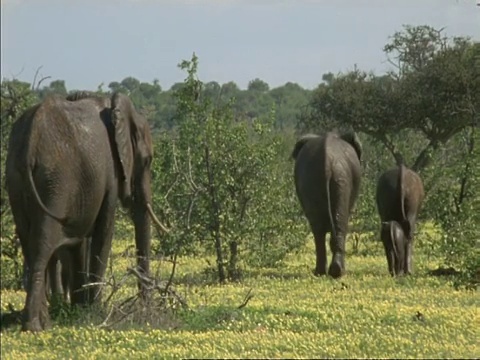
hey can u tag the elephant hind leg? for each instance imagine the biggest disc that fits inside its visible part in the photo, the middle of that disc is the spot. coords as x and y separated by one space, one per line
337 266
319 233
340 212
408 267
40 248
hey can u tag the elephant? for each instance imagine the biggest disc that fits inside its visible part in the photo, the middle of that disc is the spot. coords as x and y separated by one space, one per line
69 162
395 243
327 179
399 197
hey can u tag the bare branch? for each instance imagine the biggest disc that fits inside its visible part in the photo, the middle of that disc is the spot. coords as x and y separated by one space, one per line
35 77
247 298
42 80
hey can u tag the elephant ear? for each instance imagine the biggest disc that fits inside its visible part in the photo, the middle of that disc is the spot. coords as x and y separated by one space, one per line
122 121
300 143
352 138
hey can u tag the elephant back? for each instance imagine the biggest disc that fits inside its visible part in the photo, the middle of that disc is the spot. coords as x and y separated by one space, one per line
399 194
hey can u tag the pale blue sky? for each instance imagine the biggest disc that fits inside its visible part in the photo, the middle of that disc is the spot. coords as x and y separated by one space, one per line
86 42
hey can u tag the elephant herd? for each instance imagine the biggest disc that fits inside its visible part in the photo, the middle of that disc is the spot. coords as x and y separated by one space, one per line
71 160
327 181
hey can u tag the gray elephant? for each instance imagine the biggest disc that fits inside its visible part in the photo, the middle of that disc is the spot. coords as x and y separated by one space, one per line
69 161
327 180
395 244
399 198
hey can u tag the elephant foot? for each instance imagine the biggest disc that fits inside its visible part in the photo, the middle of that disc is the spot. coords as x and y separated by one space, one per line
336 269
32 326
36 323
319 273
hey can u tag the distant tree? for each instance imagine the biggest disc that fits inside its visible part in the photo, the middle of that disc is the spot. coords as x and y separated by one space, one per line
290 100
328 78
175 87
230 89
130 83
212 90
116 86
258 85
55 87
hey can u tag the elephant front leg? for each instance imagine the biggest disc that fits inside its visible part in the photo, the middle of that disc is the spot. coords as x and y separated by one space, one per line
100 248
74 273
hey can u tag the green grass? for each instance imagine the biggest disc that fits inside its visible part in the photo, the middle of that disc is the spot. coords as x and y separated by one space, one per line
292 314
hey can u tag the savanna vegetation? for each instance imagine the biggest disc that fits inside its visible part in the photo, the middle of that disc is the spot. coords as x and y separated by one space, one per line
238 258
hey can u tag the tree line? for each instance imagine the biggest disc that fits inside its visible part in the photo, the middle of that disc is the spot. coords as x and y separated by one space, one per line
159 106
222 170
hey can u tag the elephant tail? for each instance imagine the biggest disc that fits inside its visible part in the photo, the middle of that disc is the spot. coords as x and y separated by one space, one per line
405 224
401 190
329 205
300 143
40 202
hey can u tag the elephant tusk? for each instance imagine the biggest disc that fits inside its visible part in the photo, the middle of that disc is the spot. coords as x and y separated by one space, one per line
155 219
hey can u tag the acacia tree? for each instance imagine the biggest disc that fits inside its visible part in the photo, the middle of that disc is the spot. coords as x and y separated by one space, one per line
425 112
432 94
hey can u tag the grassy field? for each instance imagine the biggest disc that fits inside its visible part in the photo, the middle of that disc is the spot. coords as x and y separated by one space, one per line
292 314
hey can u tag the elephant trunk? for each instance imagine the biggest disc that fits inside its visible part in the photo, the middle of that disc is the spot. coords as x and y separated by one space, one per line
142 214
141 220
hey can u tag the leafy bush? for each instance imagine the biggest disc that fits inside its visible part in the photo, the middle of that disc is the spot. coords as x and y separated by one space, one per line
222 184
15 96
455 203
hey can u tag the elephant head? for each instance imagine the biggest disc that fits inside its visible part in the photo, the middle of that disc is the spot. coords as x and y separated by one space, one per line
394 242
135 152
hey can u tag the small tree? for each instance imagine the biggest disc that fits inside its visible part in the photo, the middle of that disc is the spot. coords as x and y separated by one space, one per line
219 182
431 93
15 97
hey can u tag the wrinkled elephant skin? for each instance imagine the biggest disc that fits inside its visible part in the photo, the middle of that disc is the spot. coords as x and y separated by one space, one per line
69 162
327 180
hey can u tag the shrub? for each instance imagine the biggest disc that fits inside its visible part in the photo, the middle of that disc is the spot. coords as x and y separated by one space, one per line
222 185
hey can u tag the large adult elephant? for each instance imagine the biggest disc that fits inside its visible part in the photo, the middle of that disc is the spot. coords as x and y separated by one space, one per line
327 180
69 161
399 198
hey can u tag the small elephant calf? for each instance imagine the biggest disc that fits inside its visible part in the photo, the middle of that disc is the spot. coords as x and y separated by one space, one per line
395 243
